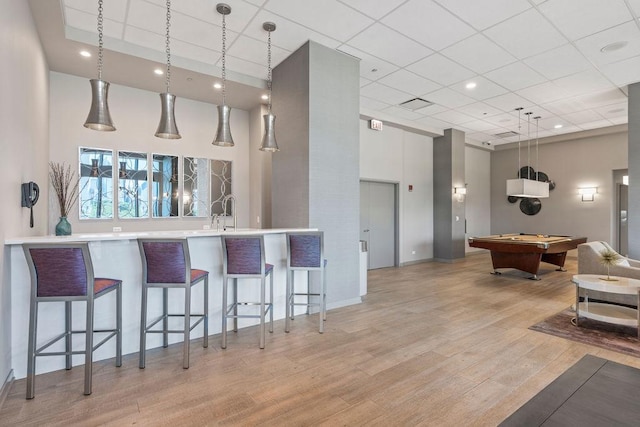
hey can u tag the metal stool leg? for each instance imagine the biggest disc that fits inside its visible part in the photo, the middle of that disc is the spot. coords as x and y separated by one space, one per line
31 361
321 301
287 319
119 325
165 320
235 304
187 327
67 340
88 355
262 296
143 327
225 282
271 303
206 312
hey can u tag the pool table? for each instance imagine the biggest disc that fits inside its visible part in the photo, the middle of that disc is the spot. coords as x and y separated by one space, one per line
525 251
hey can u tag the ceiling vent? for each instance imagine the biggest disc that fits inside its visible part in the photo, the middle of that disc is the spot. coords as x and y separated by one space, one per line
506 134
416 104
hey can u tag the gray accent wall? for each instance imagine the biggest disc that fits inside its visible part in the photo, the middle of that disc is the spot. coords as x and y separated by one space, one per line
634 170
259 172
449 209
315 176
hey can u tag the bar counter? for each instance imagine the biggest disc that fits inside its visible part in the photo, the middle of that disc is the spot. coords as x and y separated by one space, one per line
116 255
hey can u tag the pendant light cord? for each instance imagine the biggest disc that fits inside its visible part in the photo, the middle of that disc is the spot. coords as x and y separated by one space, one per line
528 145
100 42
519 110
224 59
269 83
537 119
167 45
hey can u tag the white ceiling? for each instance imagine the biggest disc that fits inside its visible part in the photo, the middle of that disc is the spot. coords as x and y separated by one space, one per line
543 55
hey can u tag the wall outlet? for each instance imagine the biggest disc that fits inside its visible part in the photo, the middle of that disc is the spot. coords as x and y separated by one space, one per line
117 229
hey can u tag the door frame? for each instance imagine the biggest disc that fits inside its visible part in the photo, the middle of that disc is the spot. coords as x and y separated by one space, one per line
396 217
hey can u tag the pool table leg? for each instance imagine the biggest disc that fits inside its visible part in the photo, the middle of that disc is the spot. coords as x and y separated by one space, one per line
561 269
534 277
497 273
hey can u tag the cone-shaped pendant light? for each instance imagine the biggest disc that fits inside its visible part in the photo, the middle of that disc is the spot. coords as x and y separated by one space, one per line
269 139
167 127
99 117
223 135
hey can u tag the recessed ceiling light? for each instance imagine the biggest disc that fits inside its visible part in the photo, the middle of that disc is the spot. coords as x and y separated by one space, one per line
85 53
265 96
612 47
217 85
557 127
471 85
158 71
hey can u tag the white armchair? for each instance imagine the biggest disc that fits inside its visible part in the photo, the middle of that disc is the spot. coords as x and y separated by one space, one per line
589 262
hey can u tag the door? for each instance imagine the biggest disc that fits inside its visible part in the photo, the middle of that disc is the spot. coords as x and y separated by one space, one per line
378 222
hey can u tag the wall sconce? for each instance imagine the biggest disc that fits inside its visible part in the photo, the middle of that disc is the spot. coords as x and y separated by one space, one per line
460 190
588 193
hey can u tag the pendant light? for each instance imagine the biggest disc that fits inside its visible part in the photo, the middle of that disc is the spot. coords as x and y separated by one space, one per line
526 187
167 127
223 134
269 139
99 117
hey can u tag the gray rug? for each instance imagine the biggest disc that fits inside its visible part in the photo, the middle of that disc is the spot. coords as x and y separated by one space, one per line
622 339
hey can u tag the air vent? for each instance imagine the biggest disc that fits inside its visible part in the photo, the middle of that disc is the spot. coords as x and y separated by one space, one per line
416 104
506 134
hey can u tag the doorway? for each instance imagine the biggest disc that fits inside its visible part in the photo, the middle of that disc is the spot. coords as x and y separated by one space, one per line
379 222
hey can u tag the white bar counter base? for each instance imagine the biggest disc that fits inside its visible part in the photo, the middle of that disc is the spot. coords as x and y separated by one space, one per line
601 311
116 255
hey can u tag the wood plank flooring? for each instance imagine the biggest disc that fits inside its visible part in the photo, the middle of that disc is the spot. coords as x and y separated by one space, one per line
433 344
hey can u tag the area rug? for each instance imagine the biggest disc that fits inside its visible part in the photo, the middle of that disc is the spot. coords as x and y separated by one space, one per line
622 339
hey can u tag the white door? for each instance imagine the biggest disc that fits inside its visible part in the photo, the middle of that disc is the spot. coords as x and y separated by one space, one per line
378 222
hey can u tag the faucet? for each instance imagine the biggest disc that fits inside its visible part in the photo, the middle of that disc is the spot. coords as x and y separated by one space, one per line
215 217
233 206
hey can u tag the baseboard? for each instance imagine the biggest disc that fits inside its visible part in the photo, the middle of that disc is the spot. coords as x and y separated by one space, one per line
344 303
420 261
6 387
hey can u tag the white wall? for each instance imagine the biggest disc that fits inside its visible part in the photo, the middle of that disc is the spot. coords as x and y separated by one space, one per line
478 198
24 143
587 161
399 156
135 114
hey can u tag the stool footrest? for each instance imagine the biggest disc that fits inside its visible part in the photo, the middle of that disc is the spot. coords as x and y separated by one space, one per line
172 331
39 351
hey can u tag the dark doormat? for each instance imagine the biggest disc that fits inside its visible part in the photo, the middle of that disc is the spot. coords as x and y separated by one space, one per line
623 339
593 392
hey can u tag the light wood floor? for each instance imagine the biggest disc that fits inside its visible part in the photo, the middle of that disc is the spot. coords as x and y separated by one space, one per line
433 344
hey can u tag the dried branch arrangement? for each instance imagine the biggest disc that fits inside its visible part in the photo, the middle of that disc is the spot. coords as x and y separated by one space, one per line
65 184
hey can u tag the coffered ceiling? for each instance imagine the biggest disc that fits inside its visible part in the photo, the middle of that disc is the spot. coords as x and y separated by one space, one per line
567 61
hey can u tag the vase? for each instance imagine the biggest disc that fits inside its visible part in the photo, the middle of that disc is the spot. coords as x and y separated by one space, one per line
63 227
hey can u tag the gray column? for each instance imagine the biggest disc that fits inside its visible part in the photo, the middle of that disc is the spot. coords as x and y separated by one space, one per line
633 215
315 175
448 212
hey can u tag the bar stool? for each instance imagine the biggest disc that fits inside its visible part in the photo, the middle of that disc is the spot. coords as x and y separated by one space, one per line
305 251
243 258
64 272
166 264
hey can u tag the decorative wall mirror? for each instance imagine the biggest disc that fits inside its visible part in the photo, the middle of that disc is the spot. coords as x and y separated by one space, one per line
220 186
133 188
164 188
195 190
96 183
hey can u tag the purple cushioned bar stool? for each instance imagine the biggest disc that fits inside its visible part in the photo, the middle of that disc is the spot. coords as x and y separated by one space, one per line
64 272
166 264
243 258
305 251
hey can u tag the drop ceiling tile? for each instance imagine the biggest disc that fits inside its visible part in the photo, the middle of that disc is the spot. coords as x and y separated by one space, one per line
479 110
256 2
526 35
582 83
256 51
435 123
409 82
441 70
384 93
428 23
480 125
150 40
577 19
509 102
403 113
453 116
180 49
550 123
87 22
481 137
505 120
151 17
484 88
565 106
387 44
249 68
559 62
485 13
372 104
374 9
543 93
449 98
635 6
613 111
595 125
364 82
515 76
479 54
288 35
591 46
327 17
561 131
619 120
623 72
371 67
115 10
600 99
582 117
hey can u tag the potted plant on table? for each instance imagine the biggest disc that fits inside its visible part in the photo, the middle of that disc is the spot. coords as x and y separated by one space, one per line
66 186
608 258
